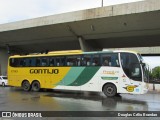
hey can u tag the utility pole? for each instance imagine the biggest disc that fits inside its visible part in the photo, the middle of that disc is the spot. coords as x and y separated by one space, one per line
102 3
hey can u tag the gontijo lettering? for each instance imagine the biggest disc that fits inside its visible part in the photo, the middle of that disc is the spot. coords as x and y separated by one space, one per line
44 71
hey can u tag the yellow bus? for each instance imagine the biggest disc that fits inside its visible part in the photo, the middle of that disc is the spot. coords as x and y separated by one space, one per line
110 72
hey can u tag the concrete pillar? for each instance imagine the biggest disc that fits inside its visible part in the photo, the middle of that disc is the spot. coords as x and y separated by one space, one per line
84 45
3 61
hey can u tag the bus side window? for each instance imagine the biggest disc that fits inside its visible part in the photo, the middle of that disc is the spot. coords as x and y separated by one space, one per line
58 61
17 61
51 62
14 62
44 62
11 62
27 62
79 61
73 61
38 62
32 62
86 60
114 60
63 61
106 61
22 62
96 60
110 60
69 61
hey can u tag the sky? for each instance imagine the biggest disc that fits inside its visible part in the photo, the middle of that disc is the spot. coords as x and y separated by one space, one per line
16 10
152 61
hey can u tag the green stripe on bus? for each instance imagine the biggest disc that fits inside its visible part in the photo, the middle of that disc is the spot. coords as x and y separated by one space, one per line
71 76
109 78
85 76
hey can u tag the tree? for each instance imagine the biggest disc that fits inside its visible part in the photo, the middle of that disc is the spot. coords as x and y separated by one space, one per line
156 72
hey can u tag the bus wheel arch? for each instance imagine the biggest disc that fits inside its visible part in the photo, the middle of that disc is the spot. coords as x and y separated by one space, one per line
26 85
36 86
109 89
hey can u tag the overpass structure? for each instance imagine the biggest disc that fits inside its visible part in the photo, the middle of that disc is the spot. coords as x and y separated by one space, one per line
118 26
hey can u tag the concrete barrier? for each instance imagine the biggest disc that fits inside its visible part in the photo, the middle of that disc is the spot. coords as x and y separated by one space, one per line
154 87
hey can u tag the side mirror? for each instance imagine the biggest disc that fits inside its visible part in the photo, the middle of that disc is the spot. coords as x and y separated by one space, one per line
143 64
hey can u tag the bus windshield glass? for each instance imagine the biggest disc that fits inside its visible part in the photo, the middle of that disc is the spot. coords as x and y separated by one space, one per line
131 66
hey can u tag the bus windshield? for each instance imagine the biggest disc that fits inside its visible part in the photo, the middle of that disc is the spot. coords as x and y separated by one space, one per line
131 66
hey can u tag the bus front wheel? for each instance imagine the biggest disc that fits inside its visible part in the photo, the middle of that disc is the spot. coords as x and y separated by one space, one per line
36 86
26 85
110 90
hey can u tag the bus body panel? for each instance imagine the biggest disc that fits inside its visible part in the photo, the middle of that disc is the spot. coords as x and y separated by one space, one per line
84 78
73 78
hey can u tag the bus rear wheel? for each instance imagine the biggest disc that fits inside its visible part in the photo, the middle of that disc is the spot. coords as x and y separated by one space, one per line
26 85
3 84
110 90
36 86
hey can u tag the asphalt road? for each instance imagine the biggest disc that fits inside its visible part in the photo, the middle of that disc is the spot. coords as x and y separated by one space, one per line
15 99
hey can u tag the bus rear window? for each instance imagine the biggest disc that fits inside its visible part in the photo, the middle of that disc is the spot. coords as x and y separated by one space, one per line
14 62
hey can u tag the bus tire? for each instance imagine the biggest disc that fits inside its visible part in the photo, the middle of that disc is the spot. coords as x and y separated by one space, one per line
110 90
26 85
36 86
3 84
